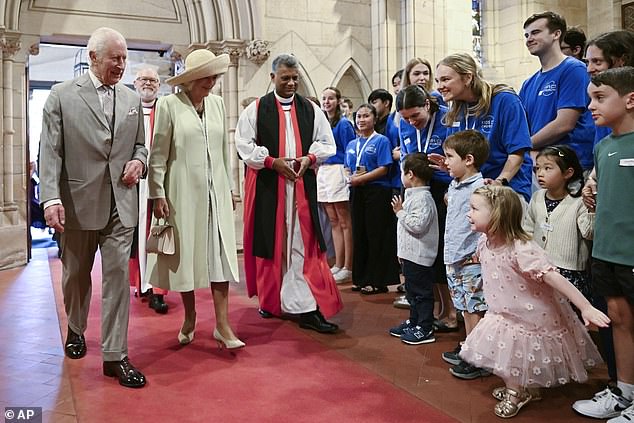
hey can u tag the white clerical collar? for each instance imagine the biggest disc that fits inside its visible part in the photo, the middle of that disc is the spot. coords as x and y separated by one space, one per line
284 100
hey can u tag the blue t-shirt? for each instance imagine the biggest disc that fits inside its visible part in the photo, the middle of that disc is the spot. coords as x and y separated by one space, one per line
563 87
391 132
506 129
601 132
375 152
415 141
343 132
439 99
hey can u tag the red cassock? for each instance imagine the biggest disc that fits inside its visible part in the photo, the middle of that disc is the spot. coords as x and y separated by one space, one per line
264 275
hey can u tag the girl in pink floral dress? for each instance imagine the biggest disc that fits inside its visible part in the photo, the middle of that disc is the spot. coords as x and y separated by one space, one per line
530 337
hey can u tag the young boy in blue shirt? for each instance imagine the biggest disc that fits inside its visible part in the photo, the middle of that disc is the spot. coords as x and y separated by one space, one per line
612 105
417 240
465 152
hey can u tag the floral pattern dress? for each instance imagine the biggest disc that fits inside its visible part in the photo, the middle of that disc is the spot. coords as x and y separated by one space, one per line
530 336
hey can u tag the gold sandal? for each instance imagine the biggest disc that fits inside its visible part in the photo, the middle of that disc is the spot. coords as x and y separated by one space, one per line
506 408
498 393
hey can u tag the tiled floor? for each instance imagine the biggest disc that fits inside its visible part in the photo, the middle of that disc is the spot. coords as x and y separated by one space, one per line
31 354
34 374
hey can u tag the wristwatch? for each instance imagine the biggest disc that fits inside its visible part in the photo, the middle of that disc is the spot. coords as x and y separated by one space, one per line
503 181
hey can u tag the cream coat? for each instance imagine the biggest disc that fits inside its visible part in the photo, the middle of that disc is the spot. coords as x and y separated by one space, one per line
179 171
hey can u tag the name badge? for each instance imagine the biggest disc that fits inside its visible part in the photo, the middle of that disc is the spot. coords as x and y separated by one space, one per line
626 162
406 141
547 227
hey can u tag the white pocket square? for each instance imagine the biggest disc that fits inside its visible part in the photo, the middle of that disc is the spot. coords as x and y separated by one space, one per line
133 111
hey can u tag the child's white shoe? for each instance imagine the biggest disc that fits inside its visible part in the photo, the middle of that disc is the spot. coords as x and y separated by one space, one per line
605 404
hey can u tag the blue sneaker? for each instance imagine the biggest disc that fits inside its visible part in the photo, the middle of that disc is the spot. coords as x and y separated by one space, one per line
416 336
401 329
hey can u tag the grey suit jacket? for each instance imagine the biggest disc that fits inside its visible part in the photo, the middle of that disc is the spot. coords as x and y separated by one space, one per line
81 162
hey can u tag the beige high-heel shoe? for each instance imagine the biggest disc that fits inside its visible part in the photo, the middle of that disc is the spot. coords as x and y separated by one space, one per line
185 338
229 344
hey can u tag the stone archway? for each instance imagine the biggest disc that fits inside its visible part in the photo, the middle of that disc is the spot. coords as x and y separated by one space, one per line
228 26
352 82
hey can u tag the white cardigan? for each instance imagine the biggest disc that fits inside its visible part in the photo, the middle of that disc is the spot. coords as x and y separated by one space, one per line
563 234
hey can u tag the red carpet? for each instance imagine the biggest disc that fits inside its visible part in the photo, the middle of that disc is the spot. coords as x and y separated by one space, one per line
283 375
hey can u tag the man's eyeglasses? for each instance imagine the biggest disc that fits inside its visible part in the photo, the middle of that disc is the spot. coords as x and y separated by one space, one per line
148 80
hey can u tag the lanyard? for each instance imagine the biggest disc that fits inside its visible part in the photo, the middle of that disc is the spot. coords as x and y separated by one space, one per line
466 121
430 130
360 153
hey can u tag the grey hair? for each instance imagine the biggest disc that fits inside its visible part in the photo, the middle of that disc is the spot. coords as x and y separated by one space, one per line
147 68
100 37
287 60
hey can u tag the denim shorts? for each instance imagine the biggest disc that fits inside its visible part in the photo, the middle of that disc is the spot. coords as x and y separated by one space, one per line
465 286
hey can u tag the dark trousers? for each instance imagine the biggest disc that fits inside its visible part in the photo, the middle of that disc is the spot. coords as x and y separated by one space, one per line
374 237
419 286
438 190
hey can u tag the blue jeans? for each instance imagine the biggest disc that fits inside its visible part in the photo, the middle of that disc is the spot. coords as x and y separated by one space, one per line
419 286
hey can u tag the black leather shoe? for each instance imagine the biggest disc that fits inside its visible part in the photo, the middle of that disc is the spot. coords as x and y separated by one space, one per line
314 320
157 303
265 314
75 345
323 319
128 375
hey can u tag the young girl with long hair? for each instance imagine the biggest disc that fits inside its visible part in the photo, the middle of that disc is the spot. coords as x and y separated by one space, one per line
556 217
418 71
368 157
332 186
530 336
495 111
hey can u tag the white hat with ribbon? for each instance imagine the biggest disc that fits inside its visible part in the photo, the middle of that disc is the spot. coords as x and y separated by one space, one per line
200 63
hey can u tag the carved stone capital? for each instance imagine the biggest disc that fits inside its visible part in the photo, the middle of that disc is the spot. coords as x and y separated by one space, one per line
234 48
10 43
258 51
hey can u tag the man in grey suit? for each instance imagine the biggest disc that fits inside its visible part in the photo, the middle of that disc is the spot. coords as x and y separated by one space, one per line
92 154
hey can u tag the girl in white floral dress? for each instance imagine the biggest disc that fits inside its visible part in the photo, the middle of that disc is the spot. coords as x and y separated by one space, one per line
530 337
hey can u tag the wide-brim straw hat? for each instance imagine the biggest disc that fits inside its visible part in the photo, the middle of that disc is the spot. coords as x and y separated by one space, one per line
200 64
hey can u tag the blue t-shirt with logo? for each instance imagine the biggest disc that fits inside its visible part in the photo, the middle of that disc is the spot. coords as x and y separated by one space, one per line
375 152
506 129
563 87
343 132
391 132
415 141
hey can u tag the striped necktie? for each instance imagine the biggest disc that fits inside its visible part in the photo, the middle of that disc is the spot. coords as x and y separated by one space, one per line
107 103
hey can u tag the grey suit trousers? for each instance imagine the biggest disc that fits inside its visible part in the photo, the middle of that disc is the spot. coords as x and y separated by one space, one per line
78 249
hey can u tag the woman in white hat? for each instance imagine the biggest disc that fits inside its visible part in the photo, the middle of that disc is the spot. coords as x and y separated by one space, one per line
189 180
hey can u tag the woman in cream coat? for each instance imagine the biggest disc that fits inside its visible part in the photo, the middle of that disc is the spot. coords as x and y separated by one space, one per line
190 183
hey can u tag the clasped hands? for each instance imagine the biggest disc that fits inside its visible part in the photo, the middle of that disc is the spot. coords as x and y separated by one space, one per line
286 166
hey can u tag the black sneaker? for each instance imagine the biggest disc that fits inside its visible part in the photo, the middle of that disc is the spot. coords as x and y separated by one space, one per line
466 371
401 329
416 336
452 357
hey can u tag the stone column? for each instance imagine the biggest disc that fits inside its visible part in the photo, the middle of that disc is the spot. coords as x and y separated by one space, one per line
235 49
13 158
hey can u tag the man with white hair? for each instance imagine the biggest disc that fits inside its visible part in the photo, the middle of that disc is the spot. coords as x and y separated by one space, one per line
92 155
147 85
